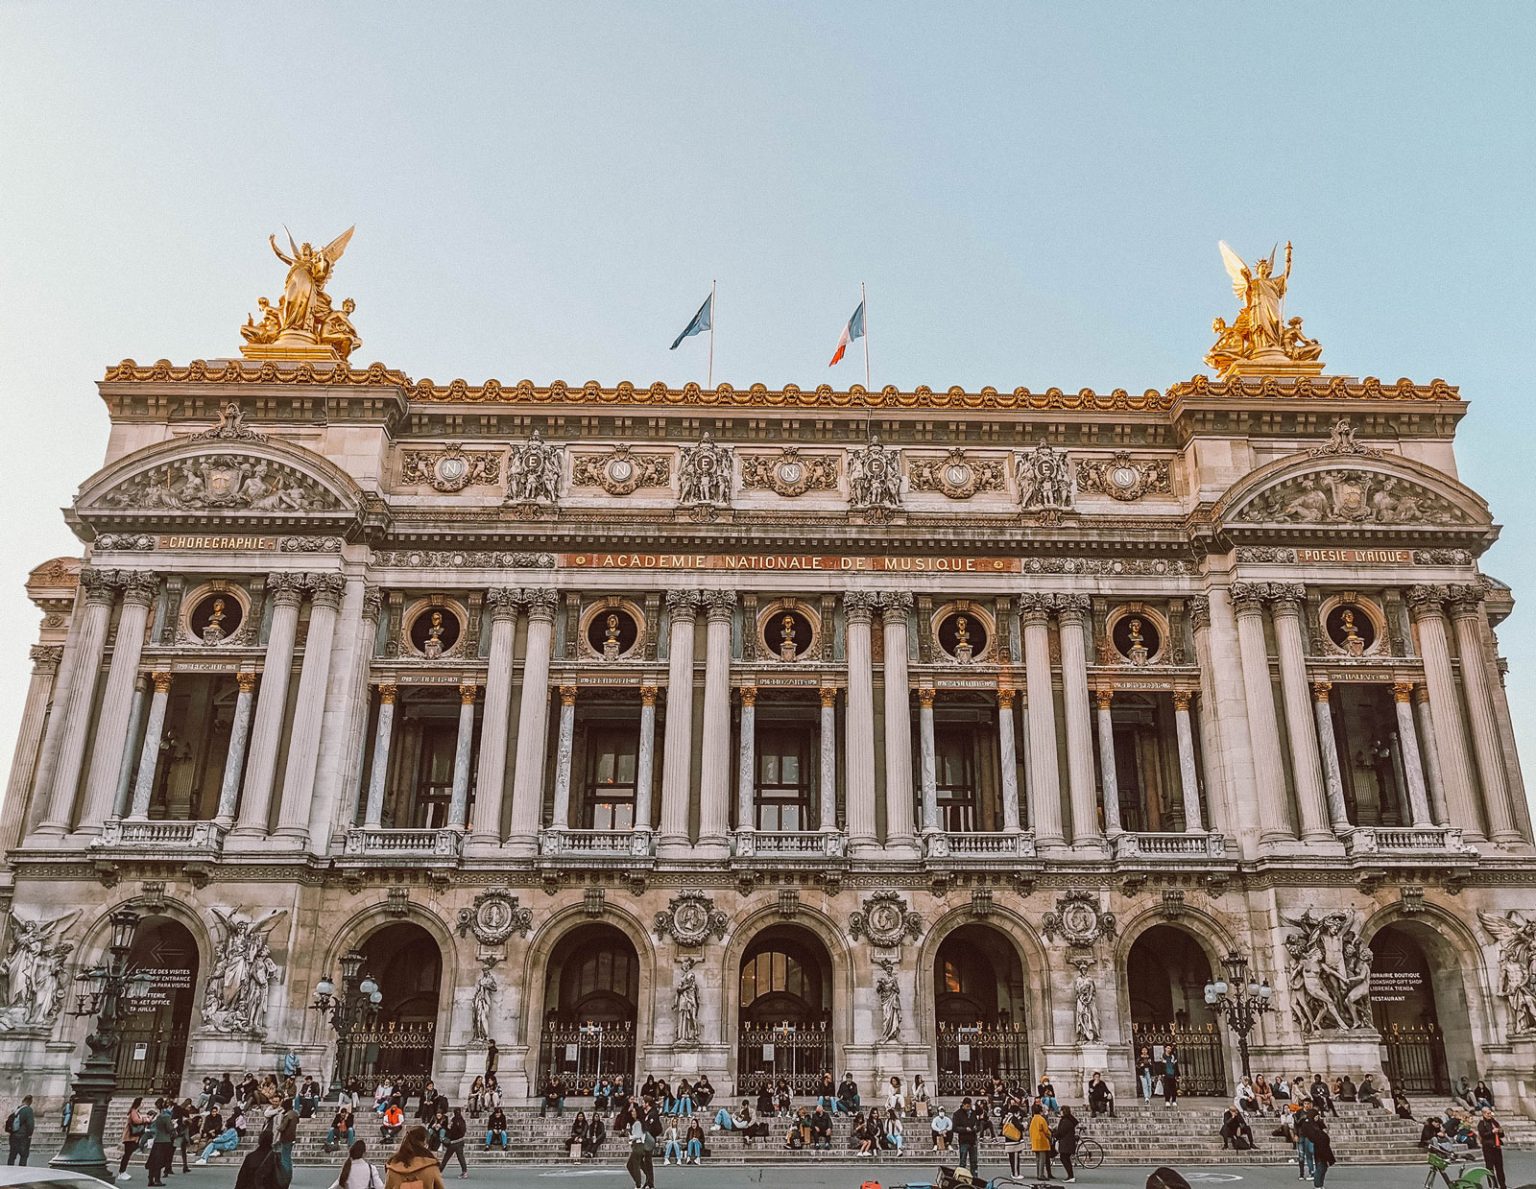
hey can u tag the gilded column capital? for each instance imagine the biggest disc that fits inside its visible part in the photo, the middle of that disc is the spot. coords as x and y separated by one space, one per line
100 585
720 604
1426 598
162 681
139 587
245 681
1199 612
1005 697
540 602
1181 699
373 603
286 588
1035 607
567 695
1421 694
829 695
1321 690
503 602
1104 698
685 603
648 695
46 657
925 695
1402 691
860 605
1072 608
325 590
388 692
749 695
895 605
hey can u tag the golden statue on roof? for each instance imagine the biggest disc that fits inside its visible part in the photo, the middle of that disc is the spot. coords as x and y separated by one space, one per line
303 324
1260 342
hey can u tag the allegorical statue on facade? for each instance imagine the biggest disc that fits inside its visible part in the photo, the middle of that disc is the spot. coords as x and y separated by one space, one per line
533 472
1516 936
1260 340
888 992
1044 478
481 1001
1085 1004
704 473
35 978
1330 971
685 1004
303 324
235 995
874 476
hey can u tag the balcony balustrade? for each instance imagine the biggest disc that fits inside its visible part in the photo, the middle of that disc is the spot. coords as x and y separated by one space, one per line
984 847
1173 848
789 844
403 844
596 844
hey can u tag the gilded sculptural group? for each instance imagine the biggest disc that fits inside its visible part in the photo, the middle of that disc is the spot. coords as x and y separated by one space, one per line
1260 340
304 323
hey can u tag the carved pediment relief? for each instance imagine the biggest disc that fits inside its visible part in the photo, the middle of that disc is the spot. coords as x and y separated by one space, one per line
1345 495
212 482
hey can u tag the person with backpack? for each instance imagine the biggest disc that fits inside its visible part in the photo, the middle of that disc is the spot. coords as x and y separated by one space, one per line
453 1143
19 1126
357 1173
1015 1137
413 1166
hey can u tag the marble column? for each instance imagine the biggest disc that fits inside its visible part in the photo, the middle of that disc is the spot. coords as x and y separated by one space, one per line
677 740
117 699
309 707
1008 759
149 754
287 593
1189 778
928 758
829 759
859 607
122 796
645 758
1477 681
746 768
565 738
1300 721
234 757
532 725
1461 809
895 607
1263 724
1040 716
495 719
1072 620
715 745
378 771
1424 717
1109 776
1413 764
463 752
53 724
45 667
1328 745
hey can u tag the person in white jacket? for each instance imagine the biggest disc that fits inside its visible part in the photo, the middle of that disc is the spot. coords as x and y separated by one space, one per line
357 1173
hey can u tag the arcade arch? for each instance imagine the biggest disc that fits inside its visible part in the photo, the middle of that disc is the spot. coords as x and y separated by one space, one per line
980 1011
156 1012
396 1040
1166 969
784 1010
591 1007
1419 1005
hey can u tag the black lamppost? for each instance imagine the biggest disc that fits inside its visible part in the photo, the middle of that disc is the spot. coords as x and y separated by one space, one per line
91 1093
357 1002
1242 1000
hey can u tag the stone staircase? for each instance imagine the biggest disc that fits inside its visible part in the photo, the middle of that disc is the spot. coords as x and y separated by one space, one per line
1186 1134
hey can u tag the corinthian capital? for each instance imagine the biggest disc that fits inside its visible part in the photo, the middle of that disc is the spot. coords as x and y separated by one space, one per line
860 605
1071 608
326 589
1427 599
46 657
895 604
1248 597
1200 612
139 586
684 603
1035 607
1465 597
286 587
720 603
100 585
1287 595
540 601
503 602
373 603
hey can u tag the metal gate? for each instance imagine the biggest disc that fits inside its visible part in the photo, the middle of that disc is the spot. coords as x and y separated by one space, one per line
1202 1064
1415 1060
401 1053
581 1054
150 1057
970 1056
798 1053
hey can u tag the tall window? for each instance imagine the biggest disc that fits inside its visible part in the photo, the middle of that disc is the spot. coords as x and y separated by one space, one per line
434 775
609 803
955 762
783 778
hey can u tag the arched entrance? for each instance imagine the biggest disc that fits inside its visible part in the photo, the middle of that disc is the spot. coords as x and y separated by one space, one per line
1166 973
1418 1004
591 1000
157 1009
979 1015
398 1040
784 1026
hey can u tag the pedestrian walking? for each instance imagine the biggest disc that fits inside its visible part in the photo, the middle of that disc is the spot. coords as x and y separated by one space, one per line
1490 1137
357 1173
453 1143
259 1168
965 1125
133 1135
412 1163
19 1126
1015 1138
1170 1075
1144 1073
1315 1130
642 1147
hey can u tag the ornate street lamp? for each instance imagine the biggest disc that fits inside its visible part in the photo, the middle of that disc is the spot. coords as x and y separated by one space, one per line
91 1093
1242 1000
357 1003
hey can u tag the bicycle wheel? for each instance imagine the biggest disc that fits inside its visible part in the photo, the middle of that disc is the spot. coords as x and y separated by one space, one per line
1090 1153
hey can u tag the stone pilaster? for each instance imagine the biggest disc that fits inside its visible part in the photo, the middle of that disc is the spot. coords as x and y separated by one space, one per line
1424 718
496 719
746 767
859 607
677 742
239 739
378 772
287 593
1040 715
149 756
828 742
1189 779
1413 764
929 760
139 590
895 607
645 758
463 750
45 668
1108 775
1300 722
1072 619
309 707
1263 724
715 751
1328 747
1477 681
1427 607
532 724
1007 759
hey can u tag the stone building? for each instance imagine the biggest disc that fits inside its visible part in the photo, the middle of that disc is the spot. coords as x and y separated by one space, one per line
761 733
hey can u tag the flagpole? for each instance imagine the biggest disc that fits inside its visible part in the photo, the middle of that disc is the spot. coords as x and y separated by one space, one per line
864 301
713 310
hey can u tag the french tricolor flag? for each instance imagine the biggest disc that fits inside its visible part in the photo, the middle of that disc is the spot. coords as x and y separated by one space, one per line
854 330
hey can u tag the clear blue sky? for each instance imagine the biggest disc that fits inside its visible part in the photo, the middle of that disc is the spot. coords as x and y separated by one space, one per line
1033 193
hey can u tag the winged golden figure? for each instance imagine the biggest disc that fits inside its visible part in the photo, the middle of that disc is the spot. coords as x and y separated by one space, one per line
1260 340
303 321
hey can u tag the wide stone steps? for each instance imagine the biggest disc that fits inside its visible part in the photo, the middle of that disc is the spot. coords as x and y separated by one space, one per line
1137 1135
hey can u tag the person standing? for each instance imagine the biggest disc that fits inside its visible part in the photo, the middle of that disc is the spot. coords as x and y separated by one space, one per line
1144 1073
162 1147
1490 1137
20 1126
1015 1137
639 1166
1040 1142
259 1168
1066 1141
454 1139
133 1134
357 1173
964 1125
413 1163
287 1130
1170 1075
1315 1131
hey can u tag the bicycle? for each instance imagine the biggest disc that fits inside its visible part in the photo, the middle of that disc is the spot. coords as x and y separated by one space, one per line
1089 1154
1471 1177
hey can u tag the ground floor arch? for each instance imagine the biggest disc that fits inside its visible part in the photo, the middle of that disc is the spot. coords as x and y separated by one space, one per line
157 1010
1419 1005
784 1010
980 1019
396 1038
591 1008
1167 969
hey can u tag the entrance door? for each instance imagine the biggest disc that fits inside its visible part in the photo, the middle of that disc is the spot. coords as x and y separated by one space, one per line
397 1041
978 997
784 1028
1166 973
591 997
1405 1010
156 1011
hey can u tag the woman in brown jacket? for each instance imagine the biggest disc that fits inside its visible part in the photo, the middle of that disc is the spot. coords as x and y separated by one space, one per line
413 1166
